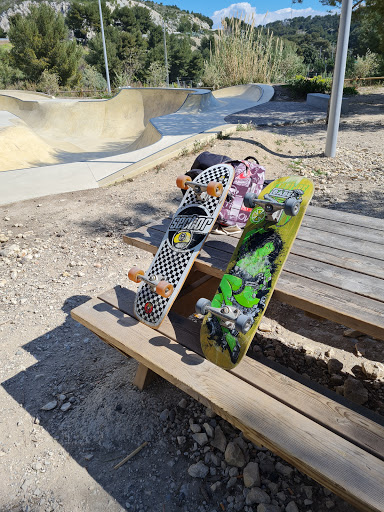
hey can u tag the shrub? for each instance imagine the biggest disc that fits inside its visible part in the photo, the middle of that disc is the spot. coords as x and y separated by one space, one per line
49 83
244 55
302 85
367 65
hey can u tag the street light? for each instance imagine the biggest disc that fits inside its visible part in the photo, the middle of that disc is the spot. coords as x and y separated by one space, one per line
104 48
165 55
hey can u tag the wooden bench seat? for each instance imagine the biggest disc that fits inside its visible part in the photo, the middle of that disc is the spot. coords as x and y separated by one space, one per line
335 269
318 432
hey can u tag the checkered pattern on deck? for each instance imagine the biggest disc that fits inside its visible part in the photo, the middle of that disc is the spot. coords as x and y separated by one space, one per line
174 266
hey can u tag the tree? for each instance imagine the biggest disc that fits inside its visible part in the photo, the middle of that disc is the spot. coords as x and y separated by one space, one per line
40 42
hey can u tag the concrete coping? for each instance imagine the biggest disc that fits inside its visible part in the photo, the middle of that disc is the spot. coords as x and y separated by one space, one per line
321 101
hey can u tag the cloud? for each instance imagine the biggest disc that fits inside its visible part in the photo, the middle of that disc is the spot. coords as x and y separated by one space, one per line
245 10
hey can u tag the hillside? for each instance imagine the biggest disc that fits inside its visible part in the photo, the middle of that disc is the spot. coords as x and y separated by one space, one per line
172 15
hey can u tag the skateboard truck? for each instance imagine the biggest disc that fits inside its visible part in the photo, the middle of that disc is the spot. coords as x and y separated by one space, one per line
272 207
157 283
228 313
213 188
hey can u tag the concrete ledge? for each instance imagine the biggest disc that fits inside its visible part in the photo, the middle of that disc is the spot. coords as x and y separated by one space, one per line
321 102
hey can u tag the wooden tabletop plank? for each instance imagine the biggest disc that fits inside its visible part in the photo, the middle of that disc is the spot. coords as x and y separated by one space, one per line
361 284
340 306
339 258
347 218
337 417
345 243
341 228
345 469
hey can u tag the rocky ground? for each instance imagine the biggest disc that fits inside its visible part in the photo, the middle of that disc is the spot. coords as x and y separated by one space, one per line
69 411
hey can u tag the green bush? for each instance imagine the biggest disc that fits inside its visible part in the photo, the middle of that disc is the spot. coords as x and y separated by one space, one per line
302 85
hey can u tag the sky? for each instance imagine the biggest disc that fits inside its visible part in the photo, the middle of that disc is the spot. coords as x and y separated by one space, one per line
263 12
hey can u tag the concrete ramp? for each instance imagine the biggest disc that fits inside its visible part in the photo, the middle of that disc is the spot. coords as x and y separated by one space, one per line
70 145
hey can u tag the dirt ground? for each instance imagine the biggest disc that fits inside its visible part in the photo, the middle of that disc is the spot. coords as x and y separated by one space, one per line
69 410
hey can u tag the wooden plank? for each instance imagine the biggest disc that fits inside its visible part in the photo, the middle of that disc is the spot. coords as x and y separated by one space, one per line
337 417
365 315
341 228
345 217
143 377
337 277
345 469
369 249
339 258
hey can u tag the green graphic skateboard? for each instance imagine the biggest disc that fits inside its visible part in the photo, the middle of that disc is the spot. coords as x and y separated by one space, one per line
232 317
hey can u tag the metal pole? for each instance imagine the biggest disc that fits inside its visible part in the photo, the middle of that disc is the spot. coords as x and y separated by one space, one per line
165 55
104 48
338 78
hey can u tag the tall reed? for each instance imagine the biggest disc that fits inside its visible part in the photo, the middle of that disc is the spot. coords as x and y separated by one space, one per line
243 55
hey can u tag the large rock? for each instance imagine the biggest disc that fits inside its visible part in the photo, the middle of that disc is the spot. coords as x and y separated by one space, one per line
354 390
234 455
251 475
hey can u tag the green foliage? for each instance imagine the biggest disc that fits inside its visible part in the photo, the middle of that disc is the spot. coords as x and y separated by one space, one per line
302 85
125 53
157 74
244 55
91 79
350 91
49 83
366 66
8 74
185 25
40 42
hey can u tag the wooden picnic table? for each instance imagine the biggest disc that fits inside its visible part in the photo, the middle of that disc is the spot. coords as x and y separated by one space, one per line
335 269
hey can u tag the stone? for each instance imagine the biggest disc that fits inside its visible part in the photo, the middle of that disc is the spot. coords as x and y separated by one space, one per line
234 455
195 427
283 469
209 413
219 441
164 415
251 475
231 482
373 370
183 403
334 366
208 429
49 406
198 470
354 390
257 495
352 333
291 507
65 406
265 507
201 438
265 326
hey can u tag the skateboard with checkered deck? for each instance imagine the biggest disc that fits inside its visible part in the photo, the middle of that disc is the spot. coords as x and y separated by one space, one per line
232 317
201 204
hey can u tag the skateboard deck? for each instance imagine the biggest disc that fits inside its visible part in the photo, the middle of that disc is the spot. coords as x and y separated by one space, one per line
232 317
181 244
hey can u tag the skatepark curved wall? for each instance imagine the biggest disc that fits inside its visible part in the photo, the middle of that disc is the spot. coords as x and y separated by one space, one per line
44 131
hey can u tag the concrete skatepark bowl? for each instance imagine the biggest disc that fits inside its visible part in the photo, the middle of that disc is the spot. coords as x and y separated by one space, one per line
50 145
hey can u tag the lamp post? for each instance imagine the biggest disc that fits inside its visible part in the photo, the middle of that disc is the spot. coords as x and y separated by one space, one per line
165 56
104 48
338 78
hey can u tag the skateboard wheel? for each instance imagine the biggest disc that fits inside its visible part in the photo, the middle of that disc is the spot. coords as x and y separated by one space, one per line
243 323
164 289
215 188
133 274
181 181
201 305
249 200
291 207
